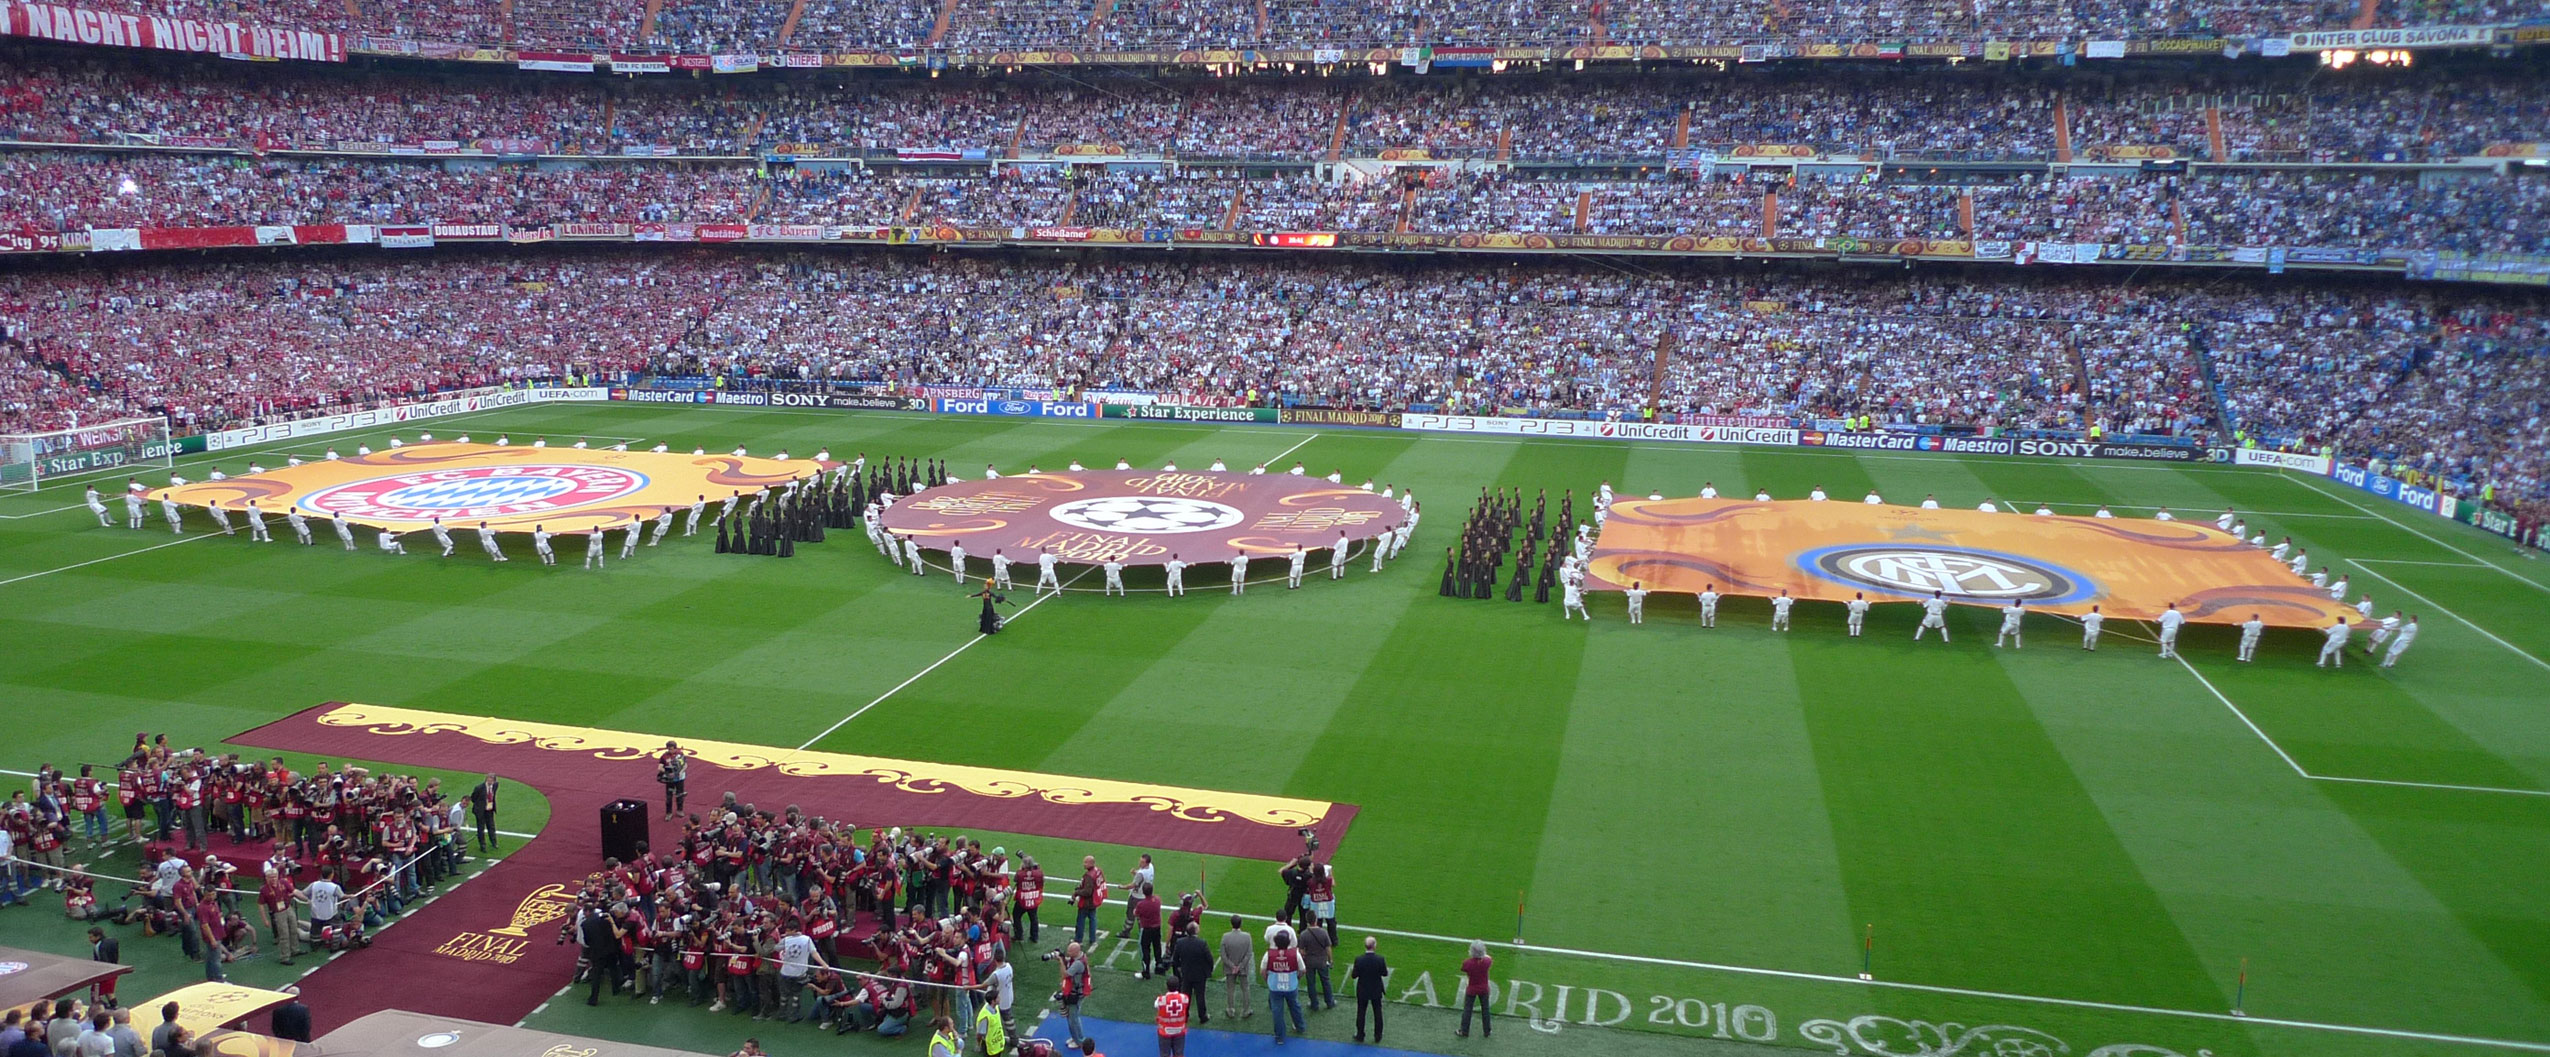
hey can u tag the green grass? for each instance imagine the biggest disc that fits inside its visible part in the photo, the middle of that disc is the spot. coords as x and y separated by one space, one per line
2087 846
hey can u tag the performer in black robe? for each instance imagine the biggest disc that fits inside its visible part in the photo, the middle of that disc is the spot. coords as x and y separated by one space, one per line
1451 565
721 535
1514 587
990 623
1549 579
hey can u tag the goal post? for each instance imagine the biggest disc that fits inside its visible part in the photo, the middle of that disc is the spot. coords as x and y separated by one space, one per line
31 460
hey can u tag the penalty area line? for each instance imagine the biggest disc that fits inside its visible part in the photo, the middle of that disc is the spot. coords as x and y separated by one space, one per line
2306 774
2420 534
2438 607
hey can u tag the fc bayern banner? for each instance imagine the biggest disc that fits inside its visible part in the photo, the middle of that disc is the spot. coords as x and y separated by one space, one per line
115 29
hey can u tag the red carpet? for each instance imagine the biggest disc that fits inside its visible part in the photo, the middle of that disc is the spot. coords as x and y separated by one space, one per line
454 957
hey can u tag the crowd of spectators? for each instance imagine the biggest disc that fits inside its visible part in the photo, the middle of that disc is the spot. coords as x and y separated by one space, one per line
1907 114
562 25
213 346
2449 382
2462 212
197 190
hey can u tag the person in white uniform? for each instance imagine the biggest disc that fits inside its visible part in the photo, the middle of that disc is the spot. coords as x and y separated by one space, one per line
2320 577
1000 572
663 527
257 524
594 546
2091 622
1571 602
1114 571
629 541
1856 613
2333 651
1761 495
300 525
2337 589
2364 607
1817 495
97 506
1709 606
2389 626
487 542
344 532
390 543
2399 643
1708 490
956 559
1301 557
1930 502
1934 614
221 519
1337 558
132 510
1239 573
1873 499
2013 624
1780 604
1637 595
1045 580
1177 575
698 506
2301 562
2225 521
540 545
2104 513
2043 510
1385 545
2163 514
2281 549
2170 621
912 556
442 536
1988 507
2251 630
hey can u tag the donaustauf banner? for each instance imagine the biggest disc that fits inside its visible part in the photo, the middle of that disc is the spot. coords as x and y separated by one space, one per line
395 414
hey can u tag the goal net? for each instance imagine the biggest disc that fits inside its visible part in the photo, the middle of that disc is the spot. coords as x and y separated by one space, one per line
30 460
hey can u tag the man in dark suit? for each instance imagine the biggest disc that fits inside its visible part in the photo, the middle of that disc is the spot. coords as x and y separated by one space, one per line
482 809
292 1019
1371 976
1192 959
601 937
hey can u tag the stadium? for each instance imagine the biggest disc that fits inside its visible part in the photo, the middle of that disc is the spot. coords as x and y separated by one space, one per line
1535 527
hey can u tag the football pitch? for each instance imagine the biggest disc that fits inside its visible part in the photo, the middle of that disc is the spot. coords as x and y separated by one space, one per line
1694 832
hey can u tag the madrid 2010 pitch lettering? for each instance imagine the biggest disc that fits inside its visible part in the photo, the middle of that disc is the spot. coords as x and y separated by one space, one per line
1554 1007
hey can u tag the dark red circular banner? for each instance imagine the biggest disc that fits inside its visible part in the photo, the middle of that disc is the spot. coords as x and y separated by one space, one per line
1142 517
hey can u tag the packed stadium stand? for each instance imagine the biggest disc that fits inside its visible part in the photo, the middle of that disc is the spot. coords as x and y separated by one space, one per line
2175 163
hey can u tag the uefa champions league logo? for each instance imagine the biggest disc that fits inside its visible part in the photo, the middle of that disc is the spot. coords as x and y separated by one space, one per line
1146 515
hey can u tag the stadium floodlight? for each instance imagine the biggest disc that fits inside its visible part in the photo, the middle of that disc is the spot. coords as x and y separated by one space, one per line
30 460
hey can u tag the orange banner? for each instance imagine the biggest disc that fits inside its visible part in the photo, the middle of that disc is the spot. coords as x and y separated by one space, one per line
511 488
2131 568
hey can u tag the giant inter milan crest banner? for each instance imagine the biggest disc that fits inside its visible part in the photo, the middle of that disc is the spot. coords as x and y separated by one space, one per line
2132 568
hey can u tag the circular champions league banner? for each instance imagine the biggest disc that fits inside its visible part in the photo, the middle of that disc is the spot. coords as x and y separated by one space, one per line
510 488
1142 517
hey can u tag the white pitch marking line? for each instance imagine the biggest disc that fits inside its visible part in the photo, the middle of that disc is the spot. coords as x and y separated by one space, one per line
2300 770
2414 531
1279 456
109 558
41 513
2403 561
1041 599
2244 718
2437 607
